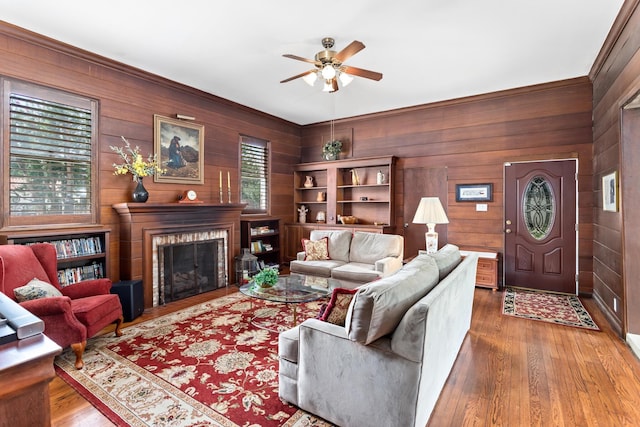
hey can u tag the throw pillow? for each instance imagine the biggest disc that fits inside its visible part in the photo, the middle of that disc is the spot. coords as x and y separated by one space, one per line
35 289
447 258
316 250
336 310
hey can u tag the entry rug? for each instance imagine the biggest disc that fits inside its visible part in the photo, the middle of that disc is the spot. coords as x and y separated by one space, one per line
547 307
207 365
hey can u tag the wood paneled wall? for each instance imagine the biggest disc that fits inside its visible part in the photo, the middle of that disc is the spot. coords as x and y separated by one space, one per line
128 100
616 80
472 138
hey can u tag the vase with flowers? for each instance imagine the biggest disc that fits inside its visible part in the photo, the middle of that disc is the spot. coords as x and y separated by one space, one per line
331 149
137 166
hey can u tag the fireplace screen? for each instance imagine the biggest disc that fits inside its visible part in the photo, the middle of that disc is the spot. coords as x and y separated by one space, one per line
190 268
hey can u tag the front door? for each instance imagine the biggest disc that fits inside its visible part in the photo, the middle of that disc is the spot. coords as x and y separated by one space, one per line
540 225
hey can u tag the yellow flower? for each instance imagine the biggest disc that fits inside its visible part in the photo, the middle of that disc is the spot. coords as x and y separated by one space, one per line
134 162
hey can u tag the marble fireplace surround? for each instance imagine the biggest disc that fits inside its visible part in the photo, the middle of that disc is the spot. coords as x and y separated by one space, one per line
141 223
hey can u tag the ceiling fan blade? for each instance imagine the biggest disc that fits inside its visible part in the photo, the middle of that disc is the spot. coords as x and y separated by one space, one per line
355 71
349 51
299 58
297 76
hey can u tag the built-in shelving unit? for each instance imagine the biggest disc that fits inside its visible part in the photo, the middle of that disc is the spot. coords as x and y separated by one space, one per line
262 237
82 253
368 199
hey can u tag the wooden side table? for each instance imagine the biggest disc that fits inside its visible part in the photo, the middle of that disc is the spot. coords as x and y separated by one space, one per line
487 274
26 368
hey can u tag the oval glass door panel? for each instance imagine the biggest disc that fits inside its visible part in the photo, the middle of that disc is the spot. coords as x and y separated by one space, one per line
538 207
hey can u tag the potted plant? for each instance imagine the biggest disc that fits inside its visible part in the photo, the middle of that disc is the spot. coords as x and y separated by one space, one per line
331 149
266 278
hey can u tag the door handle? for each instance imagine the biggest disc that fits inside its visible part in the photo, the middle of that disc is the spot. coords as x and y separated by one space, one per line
508 230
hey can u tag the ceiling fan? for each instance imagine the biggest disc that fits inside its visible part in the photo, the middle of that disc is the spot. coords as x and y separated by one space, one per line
330 67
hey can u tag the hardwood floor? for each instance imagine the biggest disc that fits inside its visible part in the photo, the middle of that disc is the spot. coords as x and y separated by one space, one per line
510 372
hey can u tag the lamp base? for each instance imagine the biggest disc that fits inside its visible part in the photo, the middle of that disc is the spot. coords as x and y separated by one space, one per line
431 238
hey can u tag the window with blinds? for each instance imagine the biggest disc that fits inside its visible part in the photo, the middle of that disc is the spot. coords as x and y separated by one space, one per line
51 144
254 174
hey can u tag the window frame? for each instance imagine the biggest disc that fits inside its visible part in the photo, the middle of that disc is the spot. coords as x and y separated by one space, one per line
250 140
9 86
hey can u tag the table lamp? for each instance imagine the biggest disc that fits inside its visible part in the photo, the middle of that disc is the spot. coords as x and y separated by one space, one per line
430 212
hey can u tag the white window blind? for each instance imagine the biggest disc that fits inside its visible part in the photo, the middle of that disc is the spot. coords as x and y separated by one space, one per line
50 158
254 174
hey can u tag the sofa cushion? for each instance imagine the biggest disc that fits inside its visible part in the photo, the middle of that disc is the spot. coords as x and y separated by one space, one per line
356 272
316 250
378 307
447 258
315 268
36 289
367 248
336 310
339 242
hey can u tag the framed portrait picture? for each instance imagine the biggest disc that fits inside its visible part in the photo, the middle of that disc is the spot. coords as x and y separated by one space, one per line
610 192
179 148
474 192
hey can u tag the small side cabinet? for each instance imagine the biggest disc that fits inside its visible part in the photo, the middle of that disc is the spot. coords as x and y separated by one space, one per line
487 274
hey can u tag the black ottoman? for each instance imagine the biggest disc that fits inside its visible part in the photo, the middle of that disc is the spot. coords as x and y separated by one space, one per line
131 296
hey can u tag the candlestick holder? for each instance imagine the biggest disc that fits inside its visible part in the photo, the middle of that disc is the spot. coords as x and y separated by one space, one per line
229 191
221 199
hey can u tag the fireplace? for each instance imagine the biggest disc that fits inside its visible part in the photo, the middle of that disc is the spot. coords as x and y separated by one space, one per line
188 263
187 269
146 227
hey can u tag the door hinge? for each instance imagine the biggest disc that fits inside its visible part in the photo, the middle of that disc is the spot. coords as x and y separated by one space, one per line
577 277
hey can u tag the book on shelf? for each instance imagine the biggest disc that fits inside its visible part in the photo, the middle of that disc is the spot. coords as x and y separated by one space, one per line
265 229
256 246
71 275
68 248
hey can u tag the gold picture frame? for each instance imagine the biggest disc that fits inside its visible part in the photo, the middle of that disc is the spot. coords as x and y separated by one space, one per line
610 192
179 148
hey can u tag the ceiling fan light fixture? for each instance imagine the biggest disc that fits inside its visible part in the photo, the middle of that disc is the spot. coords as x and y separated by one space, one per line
328 72
310 79
345 79
329 67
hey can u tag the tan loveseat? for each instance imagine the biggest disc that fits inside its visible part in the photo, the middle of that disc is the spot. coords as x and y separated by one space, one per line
359 257
389 362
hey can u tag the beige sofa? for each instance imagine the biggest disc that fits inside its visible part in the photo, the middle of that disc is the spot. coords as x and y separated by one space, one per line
388 364
359 257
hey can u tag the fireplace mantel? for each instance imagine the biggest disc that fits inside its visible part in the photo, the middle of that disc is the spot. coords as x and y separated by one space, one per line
139 220
169 208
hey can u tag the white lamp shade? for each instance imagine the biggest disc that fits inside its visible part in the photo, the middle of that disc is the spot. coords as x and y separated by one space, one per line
328 72
345 79
430 211
310 78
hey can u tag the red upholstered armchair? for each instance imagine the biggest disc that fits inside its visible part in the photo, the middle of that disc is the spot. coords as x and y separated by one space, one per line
84 308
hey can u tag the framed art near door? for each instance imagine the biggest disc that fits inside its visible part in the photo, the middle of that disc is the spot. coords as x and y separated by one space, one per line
610 192
179 149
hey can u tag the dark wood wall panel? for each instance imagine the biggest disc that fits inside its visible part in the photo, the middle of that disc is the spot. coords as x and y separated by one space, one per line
472 138
615 82
128 99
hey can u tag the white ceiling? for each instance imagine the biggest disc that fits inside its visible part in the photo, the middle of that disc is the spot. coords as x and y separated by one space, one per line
428 50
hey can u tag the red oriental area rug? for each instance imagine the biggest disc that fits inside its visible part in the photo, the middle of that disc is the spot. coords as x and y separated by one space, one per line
548 307
207 365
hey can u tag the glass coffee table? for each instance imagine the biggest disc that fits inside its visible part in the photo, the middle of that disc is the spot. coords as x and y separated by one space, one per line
293 289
